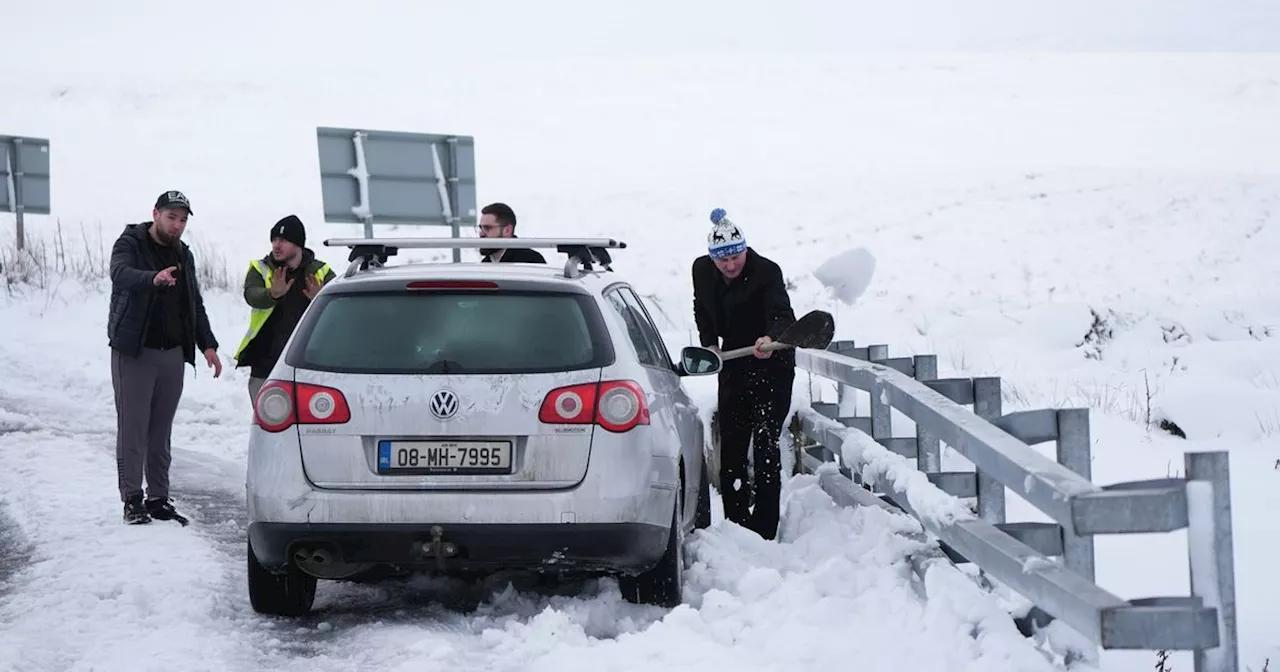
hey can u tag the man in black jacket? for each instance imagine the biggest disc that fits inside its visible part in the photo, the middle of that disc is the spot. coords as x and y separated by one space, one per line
498 220
156 322
740 299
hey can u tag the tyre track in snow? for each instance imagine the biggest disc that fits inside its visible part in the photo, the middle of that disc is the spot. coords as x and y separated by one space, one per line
15 547
15 551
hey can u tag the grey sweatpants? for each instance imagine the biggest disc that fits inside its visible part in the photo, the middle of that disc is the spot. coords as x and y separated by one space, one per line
147 389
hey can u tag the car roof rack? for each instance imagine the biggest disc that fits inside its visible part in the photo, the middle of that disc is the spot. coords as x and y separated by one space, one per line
582 253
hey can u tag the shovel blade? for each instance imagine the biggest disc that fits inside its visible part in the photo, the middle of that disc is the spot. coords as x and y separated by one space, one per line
814 331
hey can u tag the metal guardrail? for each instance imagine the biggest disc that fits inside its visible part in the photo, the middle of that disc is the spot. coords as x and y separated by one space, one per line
860 462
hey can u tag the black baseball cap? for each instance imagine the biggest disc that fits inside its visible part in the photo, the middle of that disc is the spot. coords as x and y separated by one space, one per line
173 199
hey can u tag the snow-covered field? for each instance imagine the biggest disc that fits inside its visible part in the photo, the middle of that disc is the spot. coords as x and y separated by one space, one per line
1099 228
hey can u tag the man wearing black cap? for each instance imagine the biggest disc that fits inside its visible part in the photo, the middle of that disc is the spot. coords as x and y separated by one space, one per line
156 323
278 289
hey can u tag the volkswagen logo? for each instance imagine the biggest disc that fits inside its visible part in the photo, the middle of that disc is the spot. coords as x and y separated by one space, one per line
444 404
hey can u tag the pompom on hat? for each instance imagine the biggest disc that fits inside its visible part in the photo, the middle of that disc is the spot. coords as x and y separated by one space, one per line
725 239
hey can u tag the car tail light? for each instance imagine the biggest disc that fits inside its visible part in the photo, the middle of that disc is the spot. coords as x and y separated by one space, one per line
452 284
616 405
282 404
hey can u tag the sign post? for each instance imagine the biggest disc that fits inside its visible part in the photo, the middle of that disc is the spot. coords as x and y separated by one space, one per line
397 178
24 178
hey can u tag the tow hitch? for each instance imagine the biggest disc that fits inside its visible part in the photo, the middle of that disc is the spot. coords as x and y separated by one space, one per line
438 547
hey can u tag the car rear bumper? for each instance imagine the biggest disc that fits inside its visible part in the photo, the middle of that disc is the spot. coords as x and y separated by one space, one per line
621 487
593 547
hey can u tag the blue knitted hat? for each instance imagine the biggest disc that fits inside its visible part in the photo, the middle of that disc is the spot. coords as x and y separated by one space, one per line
725 239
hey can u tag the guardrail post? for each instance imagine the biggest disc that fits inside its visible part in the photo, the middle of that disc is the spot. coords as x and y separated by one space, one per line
846 402
881 411
1075 452
846 395
988 404
1211 553
928 450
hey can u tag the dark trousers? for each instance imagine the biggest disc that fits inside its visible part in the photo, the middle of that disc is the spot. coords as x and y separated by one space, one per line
752 408
147 390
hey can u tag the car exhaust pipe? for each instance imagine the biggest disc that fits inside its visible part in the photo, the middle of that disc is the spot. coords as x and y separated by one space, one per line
324 563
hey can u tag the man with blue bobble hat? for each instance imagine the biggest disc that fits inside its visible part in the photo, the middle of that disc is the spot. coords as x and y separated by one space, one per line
740 299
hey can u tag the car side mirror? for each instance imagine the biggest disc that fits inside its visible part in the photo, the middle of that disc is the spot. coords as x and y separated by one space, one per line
697 361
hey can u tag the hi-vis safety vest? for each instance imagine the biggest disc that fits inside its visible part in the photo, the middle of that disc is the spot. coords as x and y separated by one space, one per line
258 316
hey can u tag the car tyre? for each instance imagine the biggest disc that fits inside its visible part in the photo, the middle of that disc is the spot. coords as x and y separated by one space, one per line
663 585
288 594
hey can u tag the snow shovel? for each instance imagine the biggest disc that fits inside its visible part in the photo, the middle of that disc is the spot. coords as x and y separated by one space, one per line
814 330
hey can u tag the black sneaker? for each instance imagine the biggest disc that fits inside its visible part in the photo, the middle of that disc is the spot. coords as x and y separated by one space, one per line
162 509
135 513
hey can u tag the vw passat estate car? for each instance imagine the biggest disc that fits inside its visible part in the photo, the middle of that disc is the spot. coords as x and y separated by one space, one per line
467 418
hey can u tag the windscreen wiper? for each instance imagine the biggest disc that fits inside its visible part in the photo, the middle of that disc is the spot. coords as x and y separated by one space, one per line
443 366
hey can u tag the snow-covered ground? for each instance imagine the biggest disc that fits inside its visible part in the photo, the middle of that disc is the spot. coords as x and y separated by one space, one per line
1098 229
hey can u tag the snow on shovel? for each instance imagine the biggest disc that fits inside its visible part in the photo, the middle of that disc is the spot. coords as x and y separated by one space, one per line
814 330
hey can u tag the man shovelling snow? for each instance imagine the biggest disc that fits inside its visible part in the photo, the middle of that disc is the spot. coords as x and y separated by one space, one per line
740 301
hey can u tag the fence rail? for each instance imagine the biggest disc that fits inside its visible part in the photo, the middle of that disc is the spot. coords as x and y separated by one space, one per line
860 462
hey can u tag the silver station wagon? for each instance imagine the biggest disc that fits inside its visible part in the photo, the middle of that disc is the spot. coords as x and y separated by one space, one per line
469 418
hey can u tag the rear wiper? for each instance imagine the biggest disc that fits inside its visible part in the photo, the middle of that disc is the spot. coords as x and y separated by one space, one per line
443 366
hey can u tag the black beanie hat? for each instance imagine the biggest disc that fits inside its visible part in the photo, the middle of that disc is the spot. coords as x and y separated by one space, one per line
291 229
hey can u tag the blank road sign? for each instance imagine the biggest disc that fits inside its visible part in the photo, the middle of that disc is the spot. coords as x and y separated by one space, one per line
29 156
404 178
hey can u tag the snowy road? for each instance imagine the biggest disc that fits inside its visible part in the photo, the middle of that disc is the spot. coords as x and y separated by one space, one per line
85 592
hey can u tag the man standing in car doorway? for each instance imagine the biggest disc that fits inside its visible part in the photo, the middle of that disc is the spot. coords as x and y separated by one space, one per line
278 288
740 299
498 220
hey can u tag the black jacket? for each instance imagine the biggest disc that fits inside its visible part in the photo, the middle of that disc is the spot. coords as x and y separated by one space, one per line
734 314
514 255
133 268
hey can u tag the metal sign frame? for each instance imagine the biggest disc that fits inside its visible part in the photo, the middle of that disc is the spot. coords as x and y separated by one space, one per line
392 177
24 178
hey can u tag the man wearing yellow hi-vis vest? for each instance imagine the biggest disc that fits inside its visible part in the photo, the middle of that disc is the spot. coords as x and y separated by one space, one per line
277 298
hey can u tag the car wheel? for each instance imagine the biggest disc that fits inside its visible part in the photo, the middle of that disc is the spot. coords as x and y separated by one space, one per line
663 585
288 594
702 515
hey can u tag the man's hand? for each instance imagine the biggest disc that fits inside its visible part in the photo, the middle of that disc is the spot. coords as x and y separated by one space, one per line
279 283
165 278
757 352
211 356
312 288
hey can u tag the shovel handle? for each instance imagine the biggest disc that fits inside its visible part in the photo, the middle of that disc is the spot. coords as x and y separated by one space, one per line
746 350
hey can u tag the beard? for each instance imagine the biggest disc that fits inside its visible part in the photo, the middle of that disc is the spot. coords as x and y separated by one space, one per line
486 251
166 238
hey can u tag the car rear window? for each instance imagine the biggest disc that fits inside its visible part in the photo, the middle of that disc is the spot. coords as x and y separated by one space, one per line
442 332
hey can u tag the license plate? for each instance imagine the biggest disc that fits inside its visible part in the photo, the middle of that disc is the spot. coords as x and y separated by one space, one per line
444 457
